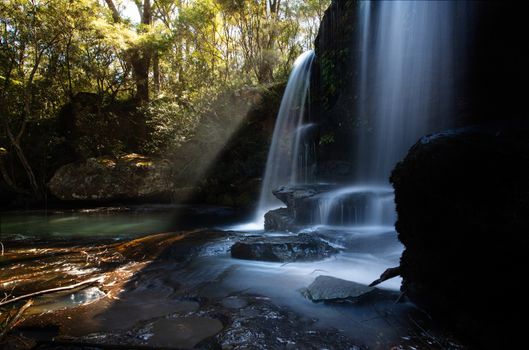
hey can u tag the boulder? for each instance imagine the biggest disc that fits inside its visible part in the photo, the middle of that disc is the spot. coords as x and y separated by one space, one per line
292 196
299 200
131 177
328 288
463 215
282 249
280 219
329 204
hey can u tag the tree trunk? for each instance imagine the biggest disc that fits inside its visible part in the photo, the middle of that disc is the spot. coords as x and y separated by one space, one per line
23 160
114 10
140 61
156 72
140 57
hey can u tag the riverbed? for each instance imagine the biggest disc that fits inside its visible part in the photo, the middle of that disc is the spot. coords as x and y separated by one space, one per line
183 289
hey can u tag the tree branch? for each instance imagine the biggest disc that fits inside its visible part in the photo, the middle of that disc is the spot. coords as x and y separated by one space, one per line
52 290
386 275
115 14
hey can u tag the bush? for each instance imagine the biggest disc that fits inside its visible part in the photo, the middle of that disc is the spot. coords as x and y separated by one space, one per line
170 124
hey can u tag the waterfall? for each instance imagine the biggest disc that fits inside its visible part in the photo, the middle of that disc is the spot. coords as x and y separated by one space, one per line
289 153
405 59
406 84
405 87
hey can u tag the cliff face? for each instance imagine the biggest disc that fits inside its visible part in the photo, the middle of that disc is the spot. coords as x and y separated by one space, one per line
332 95
489 73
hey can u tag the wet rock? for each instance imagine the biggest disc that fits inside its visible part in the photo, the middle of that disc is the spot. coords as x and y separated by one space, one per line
463 214
299 202
234 302
125 314
293 196
262 325
183 332
327 288
334 171
280 219
328 204
282 249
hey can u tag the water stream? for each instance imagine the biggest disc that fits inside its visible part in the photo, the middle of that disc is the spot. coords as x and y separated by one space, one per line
407 79
288 156
407 54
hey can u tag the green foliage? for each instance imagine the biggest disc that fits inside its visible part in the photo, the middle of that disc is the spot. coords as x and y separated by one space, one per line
327 139
184 53
331 77
170 123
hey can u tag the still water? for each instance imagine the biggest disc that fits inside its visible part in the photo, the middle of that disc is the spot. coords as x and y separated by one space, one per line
113 222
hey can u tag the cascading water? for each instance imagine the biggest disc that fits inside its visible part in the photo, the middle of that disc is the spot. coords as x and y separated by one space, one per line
405 61
404 69
406 88
406 82
355 205
289 153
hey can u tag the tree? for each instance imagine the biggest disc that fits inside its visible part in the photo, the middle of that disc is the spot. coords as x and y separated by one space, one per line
178 56
140 54
31 33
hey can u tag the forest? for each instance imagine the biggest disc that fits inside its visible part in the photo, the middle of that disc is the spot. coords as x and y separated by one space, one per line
152 67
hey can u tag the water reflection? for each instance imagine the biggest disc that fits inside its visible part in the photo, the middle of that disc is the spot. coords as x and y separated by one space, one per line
84 224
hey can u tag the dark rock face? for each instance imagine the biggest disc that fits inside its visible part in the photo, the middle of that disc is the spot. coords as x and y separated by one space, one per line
327 288
334 171
463 215
297 199
333 86
490 74
280 220
282 249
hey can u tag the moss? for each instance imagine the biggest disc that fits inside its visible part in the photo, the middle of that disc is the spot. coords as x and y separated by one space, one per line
332 63
327 139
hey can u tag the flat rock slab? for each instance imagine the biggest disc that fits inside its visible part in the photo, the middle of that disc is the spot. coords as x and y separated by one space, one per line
282 249
327 288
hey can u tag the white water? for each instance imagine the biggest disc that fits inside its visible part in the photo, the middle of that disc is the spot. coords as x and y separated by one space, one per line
288 155
406 57
356 205
406 89
407 79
